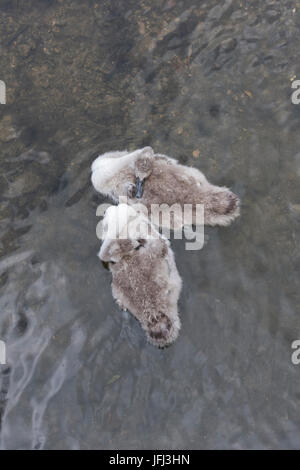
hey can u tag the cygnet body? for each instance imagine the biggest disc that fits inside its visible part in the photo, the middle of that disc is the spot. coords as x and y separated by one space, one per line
148 178
145 279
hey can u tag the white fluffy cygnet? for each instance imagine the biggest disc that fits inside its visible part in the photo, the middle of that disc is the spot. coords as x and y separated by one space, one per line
150 178
145 279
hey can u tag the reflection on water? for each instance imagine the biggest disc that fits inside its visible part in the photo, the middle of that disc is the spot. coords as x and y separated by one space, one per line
208 83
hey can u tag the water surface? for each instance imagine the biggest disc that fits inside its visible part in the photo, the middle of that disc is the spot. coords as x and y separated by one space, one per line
208 83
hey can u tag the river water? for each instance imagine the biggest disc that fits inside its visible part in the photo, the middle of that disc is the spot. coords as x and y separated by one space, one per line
209 83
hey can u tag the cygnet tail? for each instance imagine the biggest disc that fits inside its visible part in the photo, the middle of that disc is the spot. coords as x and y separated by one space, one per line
162 330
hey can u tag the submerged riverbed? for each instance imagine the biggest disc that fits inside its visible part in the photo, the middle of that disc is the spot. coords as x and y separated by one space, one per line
208 83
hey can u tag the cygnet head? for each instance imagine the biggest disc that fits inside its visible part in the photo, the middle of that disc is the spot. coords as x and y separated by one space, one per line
122 173
124 230
143 169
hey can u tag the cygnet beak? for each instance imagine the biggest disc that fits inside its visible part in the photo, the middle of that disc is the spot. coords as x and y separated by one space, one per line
139 187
